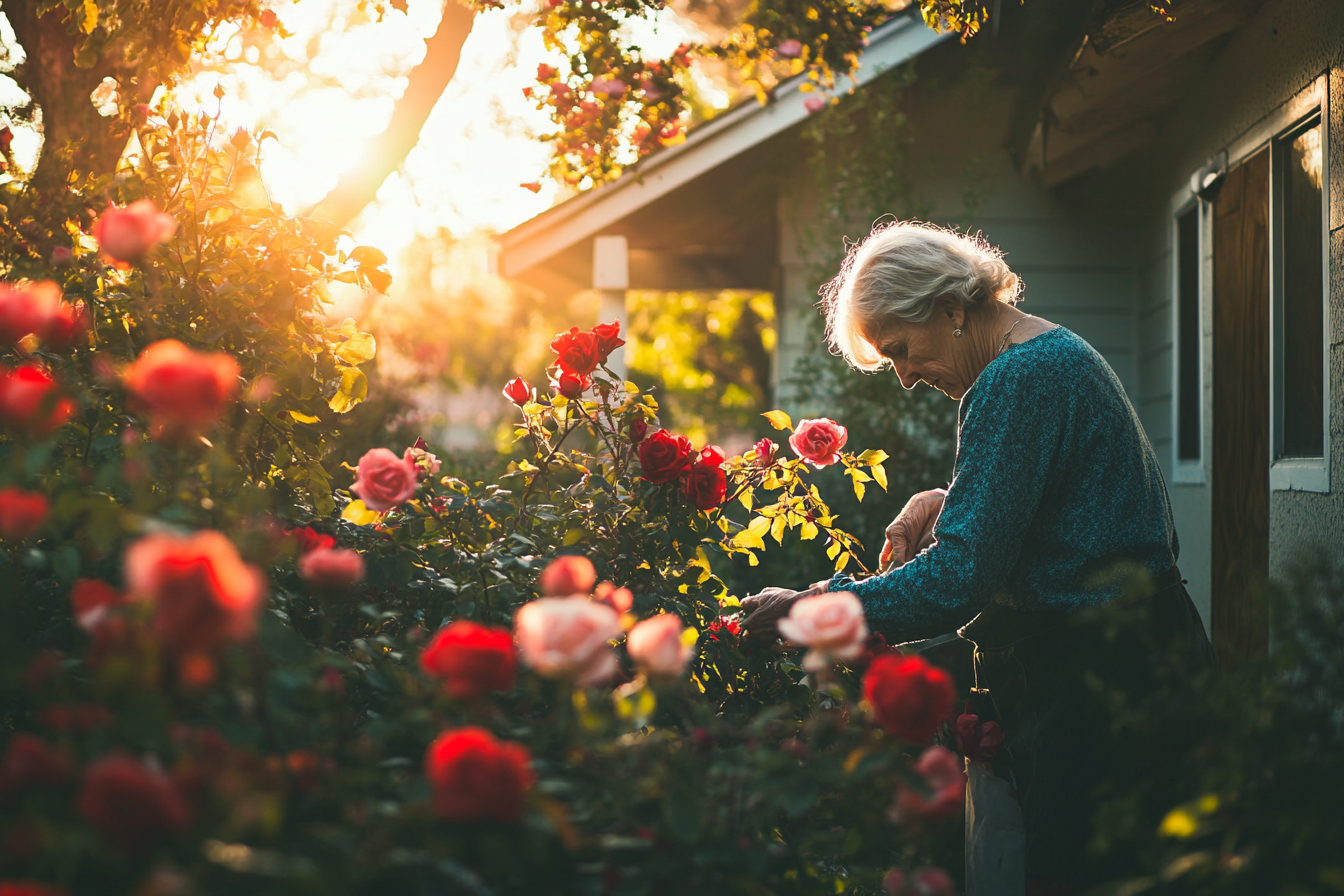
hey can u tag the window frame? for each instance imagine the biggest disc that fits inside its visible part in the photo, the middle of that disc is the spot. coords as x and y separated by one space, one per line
1192 471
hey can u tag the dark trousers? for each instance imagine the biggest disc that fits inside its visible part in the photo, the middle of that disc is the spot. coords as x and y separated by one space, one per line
1050 680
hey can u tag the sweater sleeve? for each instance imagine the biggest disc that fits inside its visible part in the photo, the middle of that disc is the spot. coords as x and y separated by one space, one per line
1012 424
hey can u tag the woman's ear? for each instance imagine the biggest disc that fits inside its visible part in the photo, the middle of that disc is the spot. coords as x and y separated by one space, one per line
952 309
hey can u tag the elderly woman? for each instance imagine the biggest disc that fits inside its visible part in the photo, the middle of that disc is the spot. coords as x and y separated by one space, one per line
1054 486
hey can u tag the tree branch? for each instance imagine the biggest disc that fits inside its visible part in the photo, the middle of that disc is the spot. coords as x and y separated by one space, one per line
358 186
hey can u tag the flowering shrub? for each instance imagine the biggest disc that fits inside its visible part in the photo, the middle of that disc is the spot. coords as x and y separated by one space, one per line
231 663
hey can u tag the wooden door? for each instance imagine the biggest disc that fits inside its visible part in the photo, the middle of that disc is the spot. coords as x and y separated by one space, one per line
1240 466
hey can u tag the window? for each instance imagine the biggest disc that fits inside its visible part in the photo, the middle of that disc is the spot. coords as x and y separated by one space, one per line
1189 408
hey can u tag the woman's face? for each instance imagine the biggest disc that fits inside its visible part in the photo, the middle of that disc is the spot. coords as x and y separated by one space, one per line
928 352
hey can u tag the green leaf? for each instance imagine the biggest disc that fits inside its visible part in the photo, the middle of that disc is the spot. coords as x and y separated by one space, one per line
354 389
779 419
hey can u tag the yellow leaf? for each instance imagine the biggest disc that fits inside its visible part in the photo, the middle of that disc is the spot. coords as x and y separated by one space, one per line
779 419
752 560
777 529
745 497
304 418
354 389
89 21
809 530
752 536
689 636
729 601
1178 823
842 561
853 759
833 549
873 456
859 475
858 488
880 474
359 348
573 536
355 512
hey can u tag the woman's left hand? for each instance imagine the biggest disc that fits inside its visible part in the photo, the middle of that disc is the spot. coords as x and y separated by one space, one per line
766 608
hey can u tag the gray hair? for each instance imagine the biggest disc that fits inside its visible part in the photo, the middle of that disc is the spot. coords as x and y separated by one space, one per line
900 269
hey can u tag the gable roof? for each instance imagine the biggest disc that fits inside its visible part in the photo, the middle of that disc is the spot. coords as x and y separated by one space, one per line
705 148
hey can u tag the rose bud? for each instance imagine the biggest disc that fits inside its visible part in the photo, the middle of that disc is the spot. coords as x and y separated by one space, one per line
664 456
639 428
202 592
518 391
608 339
814 104
910 698
473 776
30 401
384 481
819 441
567 575
61 256
331 570
126 234
764 452
181 390
832 625
619 599
135 807
977 741
566 637
426 464
944 784
571 385
789 49
657 647
471 659
706 484
21 513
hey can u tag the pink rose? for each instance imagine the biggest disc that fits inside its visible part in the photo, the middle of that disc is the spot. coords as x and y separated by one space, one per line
814 104
656 646
566 637
126 234
819 441
383 480
566 576
332 569
789 49
944 789
832 625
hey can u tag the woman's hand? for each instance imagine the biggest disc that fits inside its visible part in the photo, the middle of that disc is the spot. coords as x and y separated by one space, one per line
912 530
766 608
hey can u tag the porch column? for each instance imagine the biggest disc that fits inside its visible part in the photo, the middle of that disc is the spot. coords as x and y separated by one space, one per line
611 278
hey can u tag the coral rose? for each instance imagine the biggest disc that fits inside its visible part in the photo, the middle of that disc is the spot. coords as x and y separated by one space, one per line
619 599
126 234
832 625
471 659
664 456
27 309
202 591
31 401
910 698
706 484
383 481
333 569
819 441
518 391
21 513
577 353
656 646
180 389
566 637
608 339
944 790
567 575
135 807
475 777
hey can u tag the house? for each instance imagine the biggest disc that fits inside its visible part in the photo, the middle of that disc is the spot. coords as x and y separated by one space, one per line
1171 191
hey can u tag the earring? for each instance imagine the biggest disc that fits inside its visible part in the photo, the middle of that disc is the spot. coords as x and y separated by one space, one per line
957 332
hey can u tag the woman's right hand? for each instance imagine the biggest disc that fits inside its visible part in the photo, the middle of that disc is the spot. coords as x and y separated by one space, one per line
912 530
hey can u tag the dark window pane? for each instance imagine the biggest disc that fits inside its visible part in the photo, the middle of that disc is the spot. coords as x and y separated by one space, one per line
1303 299
1187 336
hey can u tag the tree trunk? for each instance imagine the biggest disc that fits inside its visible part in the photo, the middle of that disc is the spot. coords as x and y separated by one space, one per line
358 186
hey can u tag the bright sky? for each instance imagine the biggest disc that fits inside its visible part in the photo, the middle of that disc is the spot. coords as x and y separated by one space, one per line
474 151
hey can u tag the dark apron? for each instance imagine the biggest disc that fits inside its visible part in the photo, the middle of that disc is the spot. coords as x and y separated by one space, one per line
1044 676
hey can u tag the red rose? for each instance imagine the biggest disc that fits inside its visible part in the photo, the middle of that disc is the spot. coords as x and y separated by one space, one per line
31 401
126 234
567 575
819 441
571 385
383 480
28 887
471 659
664 456
21 513
706 484
133 806
64 327
333 570
608 338
910 698
202 591
31 762
181 390
91 600
518 391
473 776
309 539
639 428
978 741
27 309
724 624
943 793
765 451
577 353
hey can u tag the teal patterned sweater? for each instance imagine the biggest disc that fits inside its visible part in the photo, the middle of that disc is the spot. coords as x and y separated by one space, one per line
1054 482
